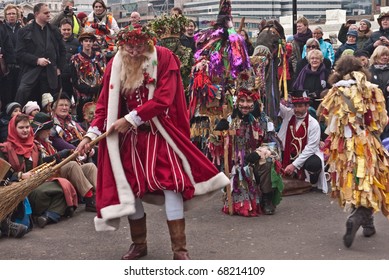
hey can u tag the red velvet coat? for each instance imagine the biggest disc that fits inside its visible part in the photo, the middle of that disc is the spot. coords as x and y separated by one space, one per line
166 110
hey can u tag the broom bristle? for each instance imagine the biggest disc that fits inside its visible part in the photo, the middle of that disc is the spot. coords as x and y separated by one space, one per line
12 195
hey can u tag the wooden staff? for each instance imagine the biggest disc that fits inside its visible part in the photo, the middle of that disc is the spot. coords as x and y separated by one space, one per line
241 25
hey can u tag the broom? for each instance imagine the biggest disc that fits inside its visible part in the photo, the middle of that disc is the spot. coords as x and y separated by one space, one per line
11 195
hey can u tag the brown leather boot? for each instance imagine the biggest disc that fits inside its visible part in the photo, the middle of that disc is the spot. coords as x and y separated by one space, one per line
178 239
138 248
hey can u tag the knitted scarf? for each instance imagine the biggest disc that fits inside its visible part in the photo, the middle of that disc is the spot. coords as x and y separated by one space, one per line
299 83
301 38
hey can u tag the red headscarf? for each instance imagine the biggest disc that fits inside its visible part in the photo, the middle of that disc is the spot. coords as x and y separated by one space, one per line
21 146
244 93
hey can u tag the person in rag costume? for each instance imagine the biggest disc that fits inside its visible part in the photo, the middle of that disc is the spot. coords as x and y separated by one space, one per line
142 106
355 113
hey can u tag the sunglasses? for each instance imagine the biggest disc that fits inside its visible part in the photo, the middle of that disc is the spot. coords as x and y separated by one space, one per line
311 47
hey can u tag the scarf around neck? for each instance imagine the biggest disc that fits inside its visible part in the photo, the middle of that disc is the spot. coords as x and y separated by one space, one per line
302 38
299 83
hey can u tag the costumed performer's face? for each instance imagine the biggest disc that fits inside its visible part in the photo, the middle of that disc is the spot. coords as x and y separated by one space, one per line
87 44
89 113
300 109
135 50
23 129
43 134
245 105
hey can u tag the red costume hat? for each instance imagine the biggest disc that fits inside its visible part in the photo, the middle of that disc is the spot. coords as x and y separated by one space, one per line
135 35
300 96
244 93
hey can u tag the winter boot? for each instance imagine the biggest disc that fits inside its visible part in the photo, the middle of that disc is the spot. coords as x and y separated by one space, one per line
358 217
368 228
178 239
11 229
267 204
138 248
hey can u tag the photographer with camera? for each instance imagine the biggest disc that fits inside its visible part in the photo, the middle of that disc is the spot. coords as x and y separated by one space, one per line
379 37
68 12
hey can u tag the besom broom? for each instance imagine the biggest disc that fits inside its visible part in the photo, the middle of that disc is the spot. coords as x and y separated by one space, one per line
11 195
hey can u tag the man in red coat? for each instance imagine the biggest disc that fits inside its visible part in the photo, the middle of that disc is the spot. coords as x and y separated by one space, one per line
147 155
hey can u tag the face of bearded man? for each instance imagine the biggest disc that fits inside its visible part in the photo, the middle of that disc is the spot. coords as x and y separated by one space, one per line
133 66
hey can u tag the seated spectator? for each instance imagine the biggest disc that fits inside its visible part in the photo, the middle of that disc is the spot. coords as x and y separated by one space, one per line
300 135
313 77
11 110
47 203
379 69
66 133
83 177
351 44
31 109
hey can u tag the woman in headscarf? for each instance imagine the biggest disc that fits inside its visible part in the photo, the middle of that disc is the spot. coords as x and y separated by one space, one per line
52 199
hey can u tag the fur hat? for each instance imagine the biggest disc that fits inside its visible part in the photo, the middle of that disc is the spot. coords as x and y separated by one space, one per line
381 16
46 99
41 121
11 107
30 106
